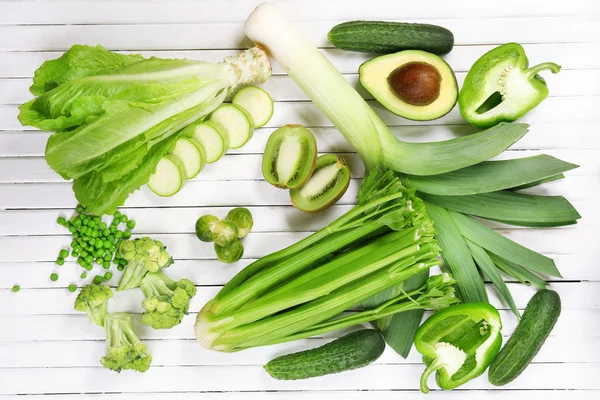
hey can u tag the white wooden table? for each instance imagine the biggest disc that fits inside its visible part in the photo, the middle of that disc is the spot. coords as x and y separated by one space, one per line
48 348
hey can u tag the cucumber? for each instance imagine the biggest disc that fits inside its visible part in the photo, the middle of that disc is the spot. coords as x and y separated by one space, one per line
168 177
537 322
355 350
257 102
391 37
214 138
237 122
192 155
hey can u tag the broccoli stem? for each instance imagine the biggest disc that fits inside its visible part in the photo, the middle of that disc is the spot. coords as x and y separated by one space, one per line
157 284
133 275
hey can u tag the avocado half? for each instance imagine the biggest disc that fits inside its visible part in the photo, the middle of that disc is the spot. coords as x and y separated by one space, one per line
413 84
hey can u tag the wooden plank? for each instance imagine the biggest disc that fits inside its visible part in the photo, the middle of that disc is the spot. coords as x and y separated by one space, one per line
186 11
26 328
64 354
22 64
183 379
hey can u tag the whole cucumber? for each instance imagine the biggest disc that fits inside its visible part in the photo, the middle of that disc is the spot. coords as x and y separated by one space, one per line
355 350
537 322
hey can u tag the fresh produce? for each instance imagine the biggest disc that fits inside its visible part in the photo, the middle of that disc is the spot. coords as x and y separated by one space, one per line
237 122
346 109
204 227
168 177
193 155
242 218
327 184
231 252
115 116
123 348
501 86
92 300
391 37
166 301
354 350
459 343
213 137
533 329
143 255
16 288
413 84
257 102
299 291
458 163
289 158
210 229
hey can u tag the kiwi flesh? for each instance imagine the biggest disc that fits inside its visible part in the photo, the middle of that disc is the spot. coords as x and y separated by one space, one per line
327 184
290 156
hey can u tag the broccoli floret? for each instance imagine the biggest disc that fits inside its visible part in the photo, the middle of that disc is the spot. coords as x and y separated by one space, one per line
166 301
124 349
92 300
142 255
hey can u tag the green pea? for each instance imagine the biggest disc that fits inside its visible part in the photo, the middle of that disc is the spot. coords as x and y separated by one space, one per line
98 244
63 253
79 208
107 232
118 234
98 279
89 259
111 239
95 234
72 229
115 222
102 226
84 254
72 288
117 214
76 222
107 257
107 244
61 221
113 248
106 264
60 261
97 219
120 267
54 277
131 224
108 276
83 275
74 254
16 288
73 244
88 267
99 260
127 234
113 228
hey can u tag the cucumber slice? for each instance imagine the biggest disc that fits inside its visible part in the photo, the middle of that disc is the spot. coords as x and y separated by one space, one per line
214 138
237 122
257 102
192 154
168 177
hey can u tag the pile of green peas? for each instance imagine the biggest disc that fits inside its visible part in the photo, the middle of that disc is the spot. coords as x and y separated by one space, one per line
94 242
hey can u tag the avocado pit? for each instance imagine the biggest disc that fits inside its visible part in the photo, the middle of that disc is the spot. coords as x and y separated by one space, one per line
416 83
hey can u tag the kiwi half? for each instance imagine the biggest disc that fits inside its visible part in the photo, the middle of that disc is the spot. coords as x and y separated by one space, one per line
327 184
290 157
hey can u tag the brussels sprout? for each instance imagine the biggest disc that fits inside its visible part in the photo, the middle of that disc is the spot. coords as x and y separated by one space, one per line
205 226
242 218
231 253
224 233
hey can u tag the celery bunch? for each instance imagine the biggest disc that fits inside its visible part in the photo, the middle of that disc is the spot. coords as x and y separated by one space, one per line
302 290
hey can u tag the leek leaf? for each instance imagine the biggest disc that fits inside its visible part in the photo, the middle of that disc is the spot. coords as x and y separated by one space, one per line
457 256
496 243
488 267
537 183
490 176
521 274
510 207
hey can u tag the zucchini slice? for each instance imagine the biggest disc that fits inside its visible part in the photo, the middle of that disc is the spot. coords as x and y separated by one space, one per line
214 138
168 177
257 102
192 154
237 122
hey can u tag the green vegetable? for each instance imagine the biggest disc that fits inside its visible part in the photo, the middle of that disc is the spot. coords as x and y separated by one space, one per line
257 102
533 329
360 125
242 218
192 155
114 114
53 277
169 176
237 122
297 292
92 300
459 343
16 288
72 288
123 348
166 301
210 229
214 139
352 351
142 256
391 37
204 228
230 253
500 86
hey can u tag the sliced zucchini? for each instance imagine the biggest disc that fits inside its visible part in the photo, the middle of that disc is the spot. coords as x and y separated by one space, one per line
237 122
192 154
257 102
168 177
328 183
214 138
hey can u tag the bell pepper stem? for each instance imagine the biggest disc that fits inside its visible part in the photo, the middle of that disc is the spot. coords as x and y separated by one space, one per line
431 368
553 67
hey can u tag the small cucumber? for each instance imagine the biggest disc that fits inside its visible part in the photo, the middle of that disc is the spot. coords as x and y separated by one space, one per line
237 121
355 350
169 176
537 322
192 154
258 103
214 138
391 37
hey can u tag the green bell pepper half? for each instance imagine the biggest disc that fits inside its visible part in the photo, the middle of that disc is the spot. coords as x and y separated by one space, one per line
459 342
500 87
